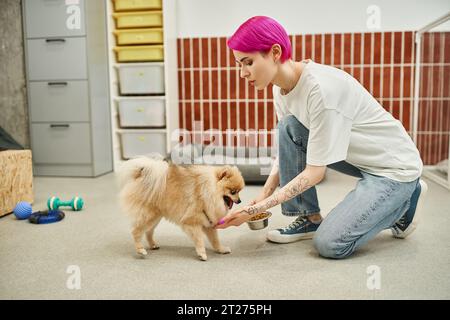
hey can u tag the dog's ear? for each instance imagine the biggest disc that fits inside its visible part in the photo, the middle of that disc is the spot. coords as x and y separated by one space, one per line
224 172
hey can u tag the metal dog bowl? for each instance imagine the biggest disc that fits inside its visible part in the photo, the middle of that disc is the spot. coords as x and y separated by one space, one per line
260 223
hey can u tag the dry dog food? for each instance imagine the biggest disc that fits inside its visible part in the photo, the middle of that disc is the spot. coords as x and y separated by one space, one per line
259 216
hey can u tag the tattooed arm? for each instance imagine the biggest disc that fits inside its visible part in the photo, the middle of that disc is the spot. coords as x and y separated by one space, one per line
305 180
308 178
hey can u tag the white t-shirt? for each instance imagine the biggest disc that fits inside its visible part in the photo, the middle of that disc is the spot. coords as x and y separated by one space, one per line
346 123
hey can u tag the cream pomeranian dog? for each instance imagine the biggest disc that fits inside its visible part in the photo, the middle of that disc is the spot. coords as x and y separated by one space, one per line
195 197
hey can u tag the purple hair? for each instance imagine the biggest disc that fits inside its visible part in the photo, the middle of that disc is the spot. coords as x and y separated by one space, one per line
260 33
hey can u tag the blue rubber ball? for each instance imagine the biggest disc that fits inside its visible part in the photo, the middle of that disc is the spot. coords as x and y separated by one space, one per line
22 210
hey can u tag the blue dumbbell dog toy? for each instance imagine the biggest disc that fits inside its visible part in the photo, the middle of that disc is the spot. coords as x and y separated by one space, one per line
54 203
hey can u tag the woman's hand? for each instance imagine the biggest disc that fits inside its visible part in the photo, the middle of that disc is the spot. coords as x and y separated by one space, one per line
235 218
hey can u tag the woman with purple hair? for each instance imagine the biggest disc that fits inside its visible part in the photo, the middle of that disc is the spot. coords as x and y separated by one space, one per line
326 118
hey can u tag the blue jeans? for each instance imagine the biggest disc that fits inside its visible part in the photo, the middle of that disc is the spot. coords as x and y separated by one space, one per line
374 205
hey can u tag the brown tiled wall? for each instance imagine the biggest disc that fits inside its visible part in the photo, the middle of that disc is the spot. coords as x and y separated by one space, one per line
434 97
213 96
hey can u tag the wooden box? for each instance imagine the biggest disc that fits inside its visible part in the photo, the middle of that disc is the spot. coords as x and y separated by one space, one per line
16 179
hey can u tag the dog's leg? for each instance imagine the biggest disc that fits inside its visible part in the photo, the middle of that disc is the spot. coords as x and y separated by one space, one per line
138 231
149 234
213 237
196 234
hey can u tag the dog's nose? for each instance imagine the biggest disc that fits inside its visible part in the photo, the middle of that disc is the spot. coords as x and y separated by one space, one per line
238 201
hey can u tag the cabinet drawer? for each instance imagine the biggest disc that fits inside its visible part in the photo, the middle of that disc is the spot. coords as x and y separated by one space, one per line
53 18
59 101
61 143
57 58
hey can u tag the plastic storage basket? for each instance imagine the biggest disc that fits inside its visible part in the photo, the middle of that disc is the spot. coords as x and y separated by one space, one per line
139 36
139 19
141 79
131 5
140 53
142 112
143 143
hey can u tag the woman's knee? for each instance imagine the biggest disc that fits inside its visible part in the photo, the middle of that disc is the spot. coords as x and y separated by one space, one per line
328 247
324 246
290 127
290 121
285 122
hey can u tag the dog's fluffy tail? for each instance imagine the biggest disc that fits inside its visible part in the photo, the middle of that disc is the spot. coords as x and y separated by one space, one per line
150 174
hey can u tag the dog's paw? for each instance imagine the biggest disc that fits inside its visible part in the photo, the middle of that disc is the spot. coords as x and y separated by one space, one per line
202 256
141 252
224 250
154 247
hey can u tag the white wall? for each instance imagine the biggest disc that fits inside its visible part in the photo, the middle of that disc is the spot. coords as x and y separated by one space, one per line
212 18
